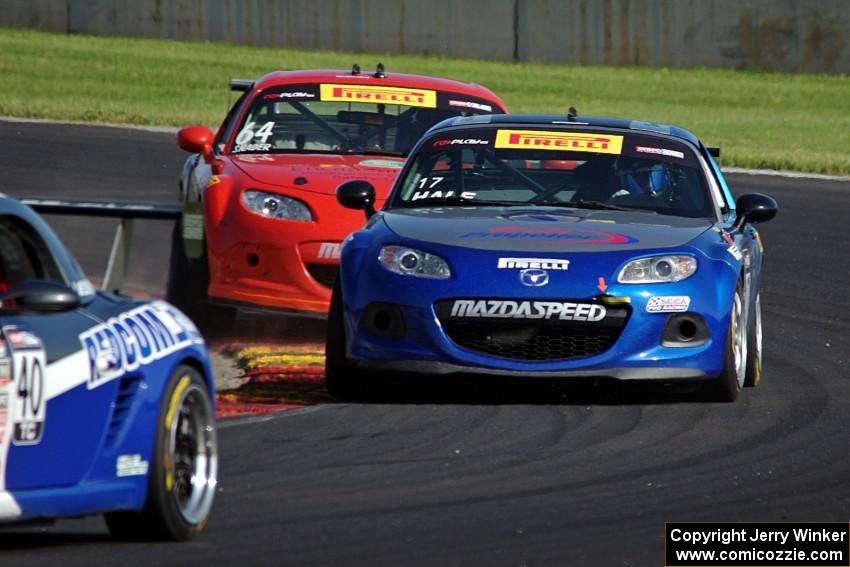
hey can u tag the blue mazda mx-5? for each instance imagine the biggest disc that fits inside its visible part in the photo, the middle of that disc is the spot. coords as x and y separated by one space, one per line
552 246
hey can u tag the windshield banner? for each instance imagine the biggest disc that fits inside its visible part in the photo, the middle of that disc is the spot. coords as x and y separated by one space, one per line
563 141
386 95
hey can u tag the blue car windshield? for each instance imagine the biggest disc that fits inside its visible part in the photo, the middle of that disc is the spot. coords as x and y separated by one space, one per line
582 169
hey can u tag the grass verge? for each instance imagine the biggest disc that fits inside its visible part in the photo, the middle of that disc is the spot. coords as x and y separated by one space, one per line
762 120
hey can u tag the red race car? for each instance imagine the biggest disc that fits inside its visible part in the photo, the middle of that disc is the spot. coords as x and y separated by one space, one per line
262 227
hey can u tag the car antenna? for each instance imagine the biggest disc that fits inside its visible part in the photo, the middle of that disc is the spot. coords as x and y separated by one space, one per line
355 69
379 71
572 113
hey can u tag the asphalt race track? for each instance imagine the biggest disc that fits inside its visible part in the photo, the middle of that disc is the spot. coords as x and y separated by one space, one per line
487 473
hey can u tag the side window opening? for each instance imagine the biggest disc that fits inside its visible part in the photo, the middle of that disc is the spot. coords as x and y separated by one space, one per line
229 123
24 255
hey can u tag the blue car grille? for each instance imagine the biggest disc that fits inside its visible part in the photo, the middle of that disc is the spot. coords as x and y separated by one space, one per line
534 341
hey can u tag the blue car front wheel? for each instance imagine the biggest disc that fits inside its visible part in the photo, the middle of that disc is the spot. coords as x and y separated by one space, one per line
754 350
727 386
341 380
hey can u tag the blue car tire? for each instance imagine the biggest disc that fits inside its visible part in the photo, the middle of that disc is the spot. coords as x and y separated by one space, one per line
754 348
341 380
183 469
727 386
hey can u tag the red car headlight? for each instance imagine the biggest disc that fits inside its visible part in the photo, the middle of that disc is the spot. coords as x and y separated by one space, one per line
276 206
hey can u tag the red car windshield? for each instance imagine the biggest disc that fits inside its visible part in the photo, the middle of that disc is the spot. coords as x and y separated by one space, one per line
330 118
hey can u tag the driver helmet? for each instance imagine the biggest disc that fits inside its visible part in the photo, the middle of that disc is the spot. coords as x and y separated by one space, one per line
642 176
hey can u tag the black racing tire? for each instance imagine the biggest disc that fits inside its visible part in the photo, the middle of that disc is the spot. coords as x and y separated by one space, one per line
341 379
183 469
754 347
727 386
188 278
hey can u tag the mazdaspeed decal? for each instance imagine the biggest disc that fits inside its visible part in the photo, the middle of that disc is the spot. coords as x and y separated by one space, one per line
134 338
507 309
387 95
558 140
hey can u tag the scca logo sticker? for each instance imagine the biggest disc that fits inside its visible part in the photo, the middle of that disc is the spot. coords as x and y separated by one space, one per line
391 95
561 141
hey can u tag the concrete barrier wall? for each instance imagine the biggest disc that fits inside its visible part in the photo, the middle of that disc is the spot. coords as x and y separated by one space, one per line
784 35
45 15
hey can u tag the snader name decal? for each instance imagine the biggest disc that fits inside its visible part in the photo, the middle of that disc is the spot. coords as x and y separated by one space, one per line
507 309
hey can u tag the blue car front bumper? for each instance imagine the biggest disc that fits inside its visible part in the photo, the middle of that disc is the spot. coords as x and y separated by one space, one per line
421 342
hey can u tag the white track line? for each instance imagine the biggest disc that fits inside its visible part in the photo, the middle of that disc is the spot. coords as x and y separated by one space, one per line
173 130
159 129
788 174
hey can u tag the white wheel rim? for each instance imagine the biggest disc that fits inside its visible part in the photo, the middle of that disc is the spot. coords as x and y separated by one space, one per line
194 455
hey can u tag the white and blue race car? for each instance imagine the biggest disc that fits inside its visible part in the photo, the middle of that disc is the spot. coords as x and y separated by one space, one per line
106 402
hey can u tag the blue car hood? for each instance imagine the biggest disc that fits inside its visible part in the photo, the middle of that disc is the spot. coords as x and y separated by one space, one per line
541 229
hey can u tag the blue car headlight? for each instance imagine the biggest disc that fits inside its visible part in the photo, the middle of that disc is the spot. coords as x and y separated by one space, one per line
413 262
276 206
658 269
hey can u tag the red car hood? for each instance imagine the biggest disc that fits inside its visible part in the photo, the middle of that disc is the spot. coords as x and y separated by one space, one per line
319 173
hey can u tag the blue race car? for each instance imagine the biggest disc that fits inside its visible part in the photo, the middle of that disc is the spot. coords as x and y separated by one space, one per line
552 246
105 401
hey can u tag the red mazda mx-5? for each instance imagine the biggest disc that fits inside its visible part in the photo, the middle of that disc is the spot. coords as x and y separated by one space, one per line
262 227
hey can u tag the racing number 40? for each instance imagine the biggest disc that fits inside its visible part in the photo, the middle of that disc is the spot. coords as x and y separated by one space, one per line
29 410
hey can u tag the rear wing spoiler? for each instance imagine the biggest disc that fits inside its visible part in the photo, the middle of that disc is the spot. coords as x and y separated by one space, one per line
116 267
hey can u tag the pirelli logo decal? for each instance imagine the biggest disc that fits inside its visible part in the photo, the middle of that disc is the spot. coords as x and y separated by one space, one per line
563 141
387 95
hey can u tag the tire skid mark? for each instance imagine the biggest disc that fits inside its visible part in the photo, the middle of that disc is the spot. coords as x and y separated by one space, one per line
272 377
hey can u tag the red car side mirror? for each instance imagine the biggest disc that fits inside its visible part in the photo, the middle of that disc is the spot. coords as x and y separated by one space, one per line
196 140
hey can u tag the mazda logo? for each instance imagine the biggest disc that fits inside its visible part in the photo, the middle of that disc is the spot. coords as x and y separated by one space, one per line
534 277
